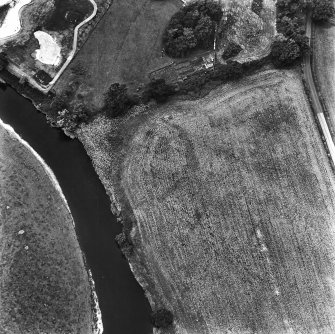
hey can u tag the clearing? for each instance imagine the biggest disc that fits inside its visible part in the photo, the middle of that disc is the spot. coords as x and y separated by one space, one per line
233 199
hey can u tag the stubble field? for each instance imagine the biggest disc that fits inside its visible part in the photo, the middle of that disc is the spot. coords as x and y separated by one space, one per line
233 198
44 285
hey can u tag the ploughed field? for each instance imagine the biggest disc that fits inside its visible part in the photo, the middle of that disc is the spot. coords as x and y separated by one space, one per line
233 201
44 284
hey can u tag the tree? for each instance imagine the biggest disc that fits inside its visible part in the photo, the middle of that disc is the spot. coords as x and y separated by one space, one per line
117 100
158 90
232 50
211 9
162 318
232 71
3 61
204 30
322 10
125 244
257 6
285 52
192 27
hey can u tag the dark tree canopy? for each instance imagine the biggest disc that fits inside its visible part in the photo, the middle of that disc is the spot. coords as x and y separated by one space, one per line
232 50
3 61
117 100
191 28
158 90
233 70
162 318
257 6
322 10
291 16
284 53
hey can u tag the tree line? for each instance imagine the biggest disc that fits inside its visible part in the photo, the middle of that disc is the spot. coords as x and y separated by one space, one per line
292 43
191 28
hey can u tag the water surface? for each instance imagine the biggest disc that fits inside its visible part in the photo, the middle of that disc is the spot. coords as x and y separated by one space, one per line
124 307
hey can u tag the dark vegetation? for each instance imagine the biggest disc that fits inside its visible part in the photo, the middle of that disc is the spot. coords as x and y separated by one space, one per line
322 10
117 100
3 61
193 27
79 69
291 18
232 50
232 71
257 6
125 244
3 12
42 77
68 13
70 120
162 318
285 52
158 90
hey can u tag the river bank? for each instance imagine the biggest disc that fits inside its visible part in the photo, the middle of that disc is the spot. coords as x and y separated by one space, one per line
122 302
46 286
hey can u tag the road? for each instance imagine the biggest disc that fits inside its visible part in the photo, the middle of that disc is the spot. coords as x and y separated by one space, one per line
316 103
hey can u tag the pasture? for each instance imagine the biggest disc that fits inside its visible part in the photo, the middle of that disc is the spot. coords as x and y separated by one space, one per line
45 286
232 199
124 47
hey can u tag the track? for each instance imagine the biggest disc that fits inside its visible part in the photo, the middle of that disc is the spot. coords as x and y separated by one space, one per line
307 70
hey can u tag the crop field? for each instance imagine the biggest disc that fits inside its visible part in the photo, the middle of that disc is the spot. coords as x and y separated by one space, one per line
44 284
324 68
233 199
124 47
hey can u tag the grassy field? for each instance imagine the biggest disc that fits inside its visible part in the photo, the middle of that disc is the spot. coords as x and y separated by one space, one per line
44 286
323 64
233 198
125 45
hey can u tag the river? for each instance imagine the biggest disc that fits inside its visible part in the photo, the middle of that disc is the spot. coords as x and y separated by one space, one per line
124 308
